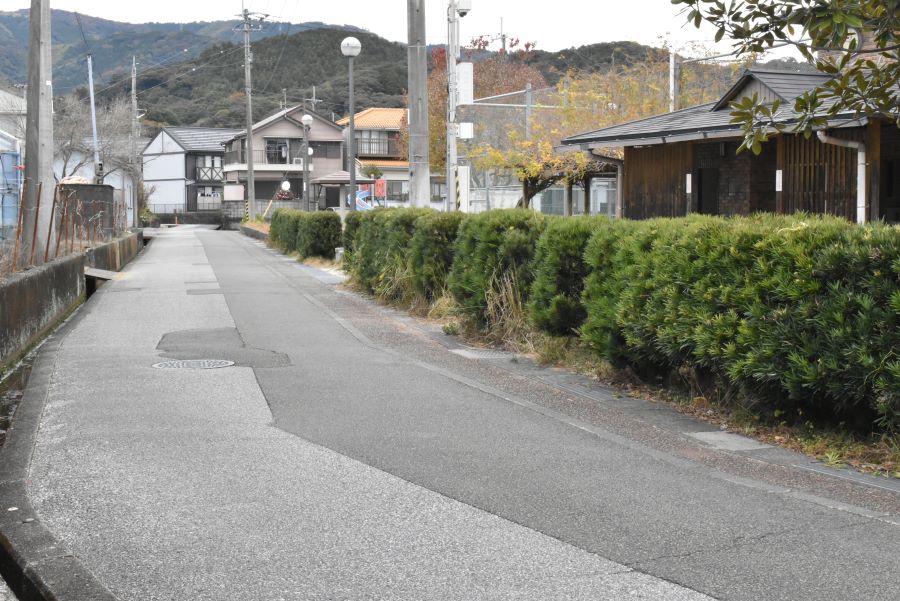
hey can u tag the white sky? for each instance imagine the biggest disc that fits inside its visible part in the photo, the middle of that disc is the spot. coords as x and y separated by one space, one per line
553 24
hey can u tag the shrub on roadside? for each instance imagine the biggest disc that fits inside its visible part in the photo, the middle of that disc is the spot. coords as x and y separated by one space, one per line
494 251
380 254
555 305
283 229
431 251
318 234
352 222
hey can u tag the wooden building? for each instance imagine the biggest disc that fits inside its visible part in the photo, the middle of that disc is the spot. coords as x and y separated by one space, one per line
686 161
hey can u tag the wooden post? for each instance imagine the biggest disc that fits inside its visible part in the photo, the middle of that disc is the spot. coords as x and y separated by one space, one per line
586 186
873 170
567 199
62 225
779 168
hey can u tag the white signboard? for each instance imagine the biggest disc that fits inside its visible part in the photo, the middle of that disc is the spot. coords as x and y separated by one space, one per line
687 183
465 86
778 181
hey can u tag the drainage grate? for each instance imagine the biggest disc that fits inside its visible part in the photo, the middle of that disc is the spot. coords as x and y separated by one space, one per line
194 364
472 353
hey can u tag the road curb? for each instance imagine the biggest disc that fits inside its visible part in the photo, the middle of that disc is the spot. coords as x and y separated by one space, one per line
36 565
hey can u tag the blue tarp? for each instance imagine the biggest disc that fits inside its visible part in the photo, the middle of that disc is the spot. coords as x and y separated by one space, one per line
10 181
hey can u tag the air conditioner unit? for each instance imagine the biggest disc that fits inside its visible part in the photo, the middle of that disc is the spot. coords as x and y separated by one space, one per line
298 160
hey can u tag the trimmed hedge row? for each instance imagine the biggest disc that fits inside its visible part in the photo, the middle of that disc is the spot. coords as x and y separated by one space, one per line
310 234
800 312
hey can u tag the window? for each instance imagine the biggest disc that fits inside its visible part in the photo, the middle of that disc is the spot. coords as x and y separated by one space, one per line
398 191
276 151
438 191
326 150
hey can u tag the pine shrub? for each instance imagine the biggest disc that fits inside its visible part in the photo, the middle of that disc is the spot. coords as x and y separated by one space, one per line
283 229
493 249
381 252
555 305
318 234
431 251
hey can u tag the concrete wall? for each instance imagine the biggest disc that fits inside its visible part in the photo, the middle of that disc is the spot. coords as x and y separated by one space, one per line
32 301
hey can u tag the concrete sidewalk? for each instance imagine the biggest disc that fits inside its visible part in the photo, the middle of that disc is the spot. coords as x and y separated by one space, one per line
346 455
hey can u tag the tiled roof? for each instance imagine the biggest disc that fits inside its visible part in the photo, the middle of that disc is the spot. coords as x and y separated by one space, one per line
376 118
787 85
702 121
294 112
393 163
201 139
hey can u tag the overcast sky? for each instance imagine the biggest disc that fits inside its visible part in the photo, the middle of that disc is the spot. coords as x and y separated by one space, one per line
553 24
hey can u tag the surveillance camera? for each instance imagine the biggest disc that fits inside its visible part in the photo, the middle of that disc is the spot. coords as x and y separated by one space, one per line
463 7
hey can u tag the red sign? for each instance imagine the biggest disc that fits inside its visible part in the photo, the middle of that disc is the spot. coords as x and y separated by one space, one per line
380 188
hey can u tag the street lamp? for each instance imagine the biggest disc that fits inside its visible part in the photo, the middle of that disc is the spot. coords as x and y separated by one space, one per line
306 120
350 47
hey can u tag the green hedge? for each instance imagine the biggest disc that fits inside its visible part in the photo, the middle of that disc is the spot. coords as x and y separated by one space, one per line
803 313
318 234
431 251
351 225
380 251
492 246
555 304
283 229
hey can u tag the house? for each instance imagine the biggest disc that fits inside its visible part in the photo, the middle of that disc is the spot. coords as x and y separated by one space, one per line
183 169
377 133
278 156
12 113
686 162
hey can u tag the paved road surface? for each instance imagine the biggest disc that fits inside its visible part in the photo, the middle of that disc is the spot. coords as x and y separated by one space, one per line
353 453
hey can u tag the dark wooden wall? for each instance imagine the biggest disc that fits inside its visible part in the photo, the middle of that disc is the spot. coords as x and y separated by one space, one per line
817 177
655 179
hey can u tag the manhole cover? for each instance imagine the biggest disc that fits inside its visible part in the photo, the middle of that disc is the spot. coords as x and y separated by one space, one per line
471 353
194 364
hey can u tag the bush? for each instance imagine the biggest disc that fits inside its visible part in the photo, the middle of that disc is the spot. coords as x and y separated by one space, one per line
318 234
493 249
802 313
431 251
283 229
351 226
380 255
555 304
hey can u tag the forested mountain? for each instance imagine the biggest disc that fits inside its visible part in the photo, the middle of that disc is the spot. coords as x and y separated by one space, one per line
112 42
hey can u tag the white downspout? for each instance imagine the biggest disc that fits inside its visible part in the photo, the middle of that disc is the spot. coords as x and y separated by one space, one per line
860 147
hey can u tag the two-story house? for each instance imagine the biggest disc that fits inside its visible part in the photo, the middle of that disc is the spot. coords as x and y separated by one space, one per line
278 156
183 169
377 133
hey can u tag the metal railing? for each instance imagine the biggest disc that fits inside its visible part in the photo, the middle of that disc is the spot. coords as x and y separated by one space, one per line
173 208
377 148
263 157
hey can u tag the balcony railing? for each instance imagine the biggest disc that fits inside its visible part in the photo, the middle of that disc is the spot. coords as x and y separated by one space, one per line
263 157
377 148
210 174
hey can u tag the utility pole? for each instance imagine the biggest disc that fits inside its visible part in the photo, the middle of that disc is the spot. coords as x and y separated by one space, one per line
98 166
247 27
417 69
135 134
455 10
313 101
283 98
674 80
38 129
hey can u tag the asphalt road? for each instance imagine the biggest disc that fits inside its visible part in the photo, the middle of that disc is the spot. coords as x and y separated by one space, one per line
399 469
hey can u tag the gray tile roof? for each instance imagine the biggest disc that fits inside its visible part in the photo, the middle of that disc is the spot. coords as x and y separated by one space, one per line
703 121
787 85
201 139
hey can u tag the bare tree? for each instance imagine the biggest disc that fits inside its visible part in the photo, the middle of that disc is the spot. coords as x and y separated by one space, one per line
73 135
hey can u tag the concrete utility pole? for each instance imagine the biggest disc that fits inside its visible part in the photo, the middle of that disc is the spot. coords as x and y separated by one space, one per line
674 80
135 134
247 27
417 69
98 165
455 10
38 131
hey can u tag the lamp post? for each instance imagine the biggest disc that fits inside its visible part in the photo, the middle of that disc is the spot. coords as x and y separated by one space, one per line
306 120
350 47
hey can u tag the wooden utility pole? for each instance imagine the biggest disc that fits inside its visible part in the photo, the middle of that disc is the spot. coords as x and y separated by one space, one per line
38 128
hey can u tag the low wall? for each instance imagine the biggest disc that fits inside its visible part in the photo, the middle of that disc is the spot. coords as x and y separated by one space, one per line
114 255
33 301
252 233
